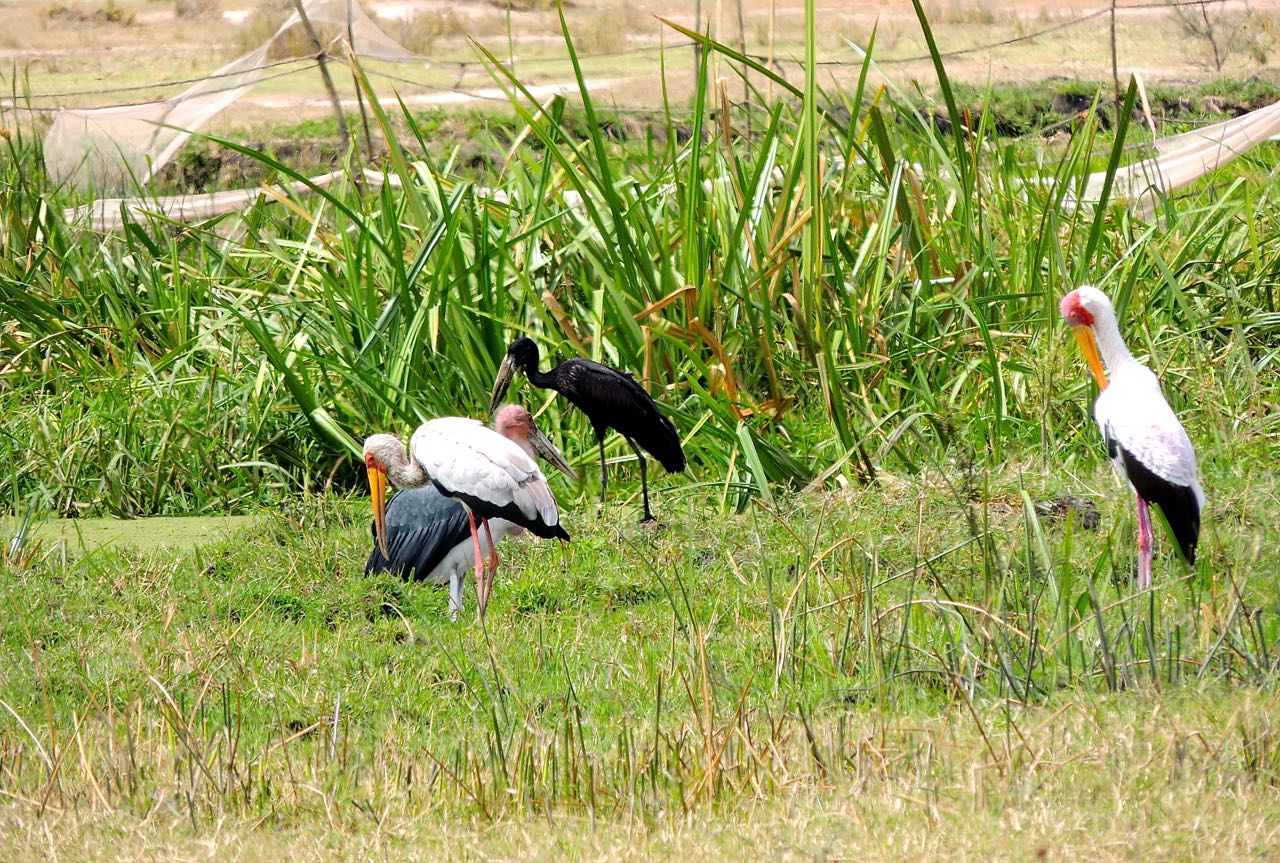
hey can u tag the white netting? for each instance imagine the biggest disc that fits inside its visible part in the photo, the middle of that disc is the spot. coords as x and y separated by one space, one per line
112 149
1182 159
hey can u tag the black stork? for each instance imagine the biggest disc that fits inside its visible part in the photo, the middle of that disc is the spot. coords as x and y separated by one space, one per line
1145 441
611 400
484 474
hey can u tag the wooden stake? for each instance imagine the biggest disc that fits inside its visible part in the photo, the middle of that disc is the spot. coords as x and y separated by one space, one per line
344 139
1115 75
355 79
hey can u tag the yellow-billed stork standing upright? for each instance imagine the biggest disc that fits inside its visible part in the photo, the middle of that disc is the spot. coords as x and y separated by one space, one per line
427 533
490 475
1145 441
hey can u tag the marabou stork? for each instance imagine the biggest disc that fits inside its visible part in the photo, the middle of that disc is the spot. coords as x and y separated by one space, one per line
427 533
493 477
611 400
1145 441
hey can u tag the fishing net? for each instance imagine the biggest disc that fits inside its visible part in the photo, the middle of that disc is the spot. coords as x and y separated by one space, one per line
1182 159
116 148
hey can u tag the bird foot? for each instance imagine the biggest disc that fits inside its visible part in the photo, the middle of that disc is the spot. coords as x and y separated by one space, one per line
651 523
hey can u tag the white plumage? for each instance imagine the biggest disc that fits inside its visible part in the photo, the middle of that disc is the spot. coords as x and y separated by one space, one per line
1145 441
469 460
1132 411
494 477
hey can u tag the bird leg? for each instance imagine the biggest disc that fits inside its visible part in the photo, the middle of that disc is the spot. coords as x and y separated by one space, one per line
1144 545
475 544
455 594
644 482
604 472
493 560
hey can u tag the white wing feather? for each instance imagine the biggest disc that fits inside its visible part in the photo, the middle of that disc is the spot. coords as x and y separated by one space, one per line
1133 412
463 455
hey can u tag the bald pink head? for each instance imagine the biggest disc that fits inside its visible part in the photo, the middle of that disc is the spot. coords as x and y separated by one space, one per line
516 424
513 421
1087 306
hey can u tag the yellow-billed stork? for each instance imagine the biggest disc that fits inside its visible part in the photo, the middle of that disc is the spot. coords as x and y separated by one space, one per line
427 533
1145 441
492 476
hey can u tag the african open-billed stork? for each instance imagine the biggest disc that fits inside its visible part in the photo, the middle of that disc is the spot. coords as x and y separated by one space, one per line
609 398
427 533
490 475
1144 439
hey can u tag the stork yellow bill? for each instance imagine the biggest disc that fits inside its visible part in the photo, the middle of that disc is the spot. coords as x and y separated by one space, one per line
429 533
1089 347
378 493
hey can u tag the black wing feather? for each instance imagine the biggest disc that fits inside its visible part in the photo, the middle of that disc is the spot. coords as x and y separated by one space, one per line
1177 502
485 509
423 526
613 399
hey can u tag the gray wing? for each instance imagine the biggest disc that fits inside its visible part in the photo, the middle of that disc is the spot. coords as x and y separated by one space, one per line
423 526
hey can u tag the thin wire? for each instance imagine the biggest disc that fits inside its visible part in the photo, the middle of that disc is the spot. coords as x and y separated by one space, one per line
437 88
974 49
174 83
16 106
550 58
461 64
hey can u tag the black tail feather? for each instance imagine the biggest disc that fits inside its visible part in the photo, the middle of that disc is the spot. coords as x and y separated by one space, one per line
1178 503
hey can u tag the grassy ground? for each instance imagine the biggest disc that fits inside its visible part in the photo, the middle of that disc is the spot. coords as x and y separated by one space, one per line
858 633
59 47
1103 778
857 674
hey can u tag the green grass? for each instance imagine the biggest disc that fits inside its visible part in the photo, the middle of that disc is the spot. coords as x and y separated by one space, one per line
862 646
855 635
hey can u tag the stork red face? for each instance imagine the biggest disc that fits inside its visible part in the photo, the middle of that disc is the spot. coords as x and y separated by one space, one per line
1074 309
378 491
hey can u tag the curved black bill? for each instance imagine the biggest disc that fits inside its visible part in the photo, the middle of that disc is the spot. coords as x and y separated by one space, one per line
501 383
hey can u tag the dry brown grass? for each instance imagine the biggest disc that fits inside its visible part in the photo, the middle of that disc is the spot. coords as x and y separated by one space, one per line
161 45
108 13
1180 776
422 31
189 9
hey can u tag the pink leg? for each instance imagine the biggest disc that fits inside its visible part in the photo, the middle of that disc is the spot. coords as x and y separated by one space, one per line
492 568
1144 545
475 545
493 551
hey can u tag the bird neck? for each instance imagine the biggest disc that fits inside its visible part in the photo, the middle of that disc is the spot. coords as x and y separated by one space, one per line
404 471
529 365
1110 343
